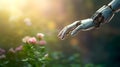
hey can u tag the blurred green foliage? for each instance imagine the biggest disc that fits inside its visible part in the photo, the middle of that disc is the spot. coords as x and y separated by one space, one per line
32 53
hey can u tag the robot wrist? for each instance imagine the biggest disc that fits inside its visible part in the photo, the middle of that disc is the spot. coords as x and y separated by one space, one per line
103 15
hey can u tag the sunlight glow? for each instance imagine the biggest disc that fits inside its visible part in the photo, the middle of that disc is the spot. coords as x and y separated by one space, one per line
44 9
19 7
12 6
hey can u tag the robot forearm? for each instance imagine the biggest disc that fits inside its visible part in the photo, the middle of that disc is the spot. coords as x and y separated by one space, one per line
115 5
106 13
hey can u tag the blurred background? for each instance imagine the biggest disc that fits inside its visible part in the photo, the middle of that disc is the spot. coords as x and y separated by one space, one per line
100 47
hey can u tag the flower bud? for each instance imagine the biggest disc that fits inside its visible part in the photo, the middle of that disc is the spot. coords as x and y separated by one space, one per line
42 42
40 35
19 48
12 50
2 51
46 55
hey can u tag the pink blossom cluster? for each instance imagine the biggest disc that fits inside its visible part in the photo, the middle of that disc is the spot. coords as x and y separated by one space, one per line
33 40
19 48
12 50
38 40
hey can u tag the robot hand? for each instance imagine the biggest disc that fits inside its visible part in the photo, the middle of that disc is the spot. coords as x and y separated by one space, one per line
103 15
75 27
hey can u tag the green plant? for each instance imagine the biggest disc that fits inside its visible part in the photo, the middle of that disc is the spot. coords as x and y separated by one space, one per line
31 53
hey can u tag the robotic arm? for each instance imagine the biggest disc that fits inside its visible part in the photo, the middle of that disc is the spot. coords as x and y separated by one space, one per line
102 15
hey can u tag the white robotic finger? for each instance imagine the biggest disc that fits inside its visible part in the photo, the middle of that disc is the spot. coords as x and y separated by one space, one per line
63 35
66 30
59 35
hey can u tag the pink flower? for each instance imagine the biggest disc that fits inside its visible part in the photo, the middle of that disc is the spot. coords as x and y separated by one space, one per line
40 35
19 48
32 40
12 50
42 42
25 39
2 51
